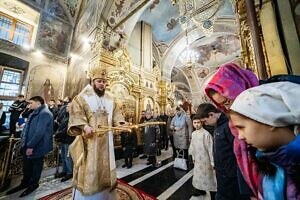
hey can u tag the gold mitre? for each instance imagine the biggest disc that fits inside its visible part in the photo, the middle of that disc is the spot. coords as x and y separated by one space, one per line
98 72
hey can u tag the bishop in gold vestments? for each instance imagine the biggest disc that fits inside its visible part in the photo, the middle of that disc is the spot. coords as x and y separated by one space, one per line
94 174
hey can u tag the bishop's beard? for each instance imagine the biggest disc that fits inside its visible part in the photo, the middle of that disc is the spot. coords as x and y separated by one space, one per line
100 93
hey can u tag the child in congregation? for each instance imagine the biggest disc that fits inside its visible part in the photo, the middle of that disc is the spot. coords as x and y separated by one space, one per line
129 143
20 126
201 149
267 118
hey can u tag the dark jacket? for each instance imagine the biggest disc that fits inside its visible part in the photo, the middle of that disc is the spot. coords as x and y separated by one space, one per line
59 117
151 138
169 130
129 143
225 161
26 112
61 133
2 118
2 121
54 110
16 109
38 131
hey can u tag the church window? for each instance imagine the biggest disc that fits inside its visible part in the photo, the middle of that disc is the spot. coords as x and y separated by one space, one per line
14 30
10 82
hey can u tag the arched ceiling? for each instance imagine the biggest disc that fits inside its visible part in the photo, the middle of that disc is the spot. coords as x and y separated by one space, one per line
170 39
164 19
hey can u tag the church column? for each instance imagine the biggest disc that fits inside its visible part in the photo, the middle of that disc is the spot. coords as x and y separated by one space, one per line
255 35
273 49
290 35
163 95
146 41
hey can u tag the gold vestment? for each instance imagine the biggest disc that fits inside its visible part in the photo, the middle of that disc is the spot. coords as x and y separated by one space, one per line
94 164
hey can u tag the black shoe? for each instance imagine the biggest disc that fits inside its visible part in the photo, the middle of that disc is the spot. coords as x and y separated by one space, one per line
158 153
59 175
29 190
149 163
154 165
129 166
157 164
197 192
16 189
143 157
66 177
123 166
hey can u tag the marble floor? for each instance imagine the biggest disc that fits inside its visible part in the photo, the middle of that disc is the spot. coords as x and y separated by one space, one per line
164 182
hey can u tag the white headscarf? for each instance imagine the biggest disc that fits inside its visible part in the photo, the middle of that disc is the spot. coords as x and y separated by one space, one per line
276 104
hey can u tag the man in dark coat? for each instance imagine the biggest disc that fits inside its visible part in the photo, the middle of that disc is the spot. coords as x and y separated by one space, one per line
151 139
2 118
164 135
142 119
64 141
15 110
52 107
224 158
36 142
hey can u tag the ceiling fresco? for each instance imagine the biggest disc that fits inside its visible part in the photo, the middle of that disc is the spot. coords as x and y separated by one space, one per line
222 47
61 8
55 9
72 6
122 10
38 3
163 17
178 76
226 10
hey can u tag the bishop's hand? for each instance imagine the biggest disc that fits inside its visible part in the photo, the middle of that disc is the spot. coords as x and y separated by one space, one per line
88 131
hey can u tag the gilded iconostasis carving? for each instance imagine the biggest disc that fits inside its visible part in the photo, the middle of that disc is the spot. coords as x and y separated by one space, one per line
124 100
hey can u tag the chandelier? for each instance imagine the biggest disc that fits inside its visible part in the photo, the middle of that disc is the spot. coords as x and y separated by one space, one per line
189 56
201 12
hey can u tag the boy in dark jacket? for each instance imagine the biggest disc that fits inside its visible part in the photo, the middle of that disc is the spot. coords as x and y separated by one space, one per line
224 158
128 141
15 110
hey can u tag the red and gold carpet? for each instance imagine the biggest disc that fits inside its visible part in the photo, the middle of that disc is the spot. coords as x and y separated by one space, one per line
124 192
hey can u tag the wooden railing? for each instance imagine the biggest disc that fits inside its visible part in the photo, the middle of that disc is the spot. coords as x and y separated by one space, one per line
11 160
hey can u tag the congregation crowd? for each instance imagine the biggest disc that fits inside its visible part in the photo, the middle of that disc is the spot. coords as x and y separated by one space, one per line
242 145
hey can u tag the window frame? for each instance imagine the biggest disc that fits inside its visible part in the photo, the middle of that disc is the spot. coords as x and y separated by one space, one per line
13 28
2 69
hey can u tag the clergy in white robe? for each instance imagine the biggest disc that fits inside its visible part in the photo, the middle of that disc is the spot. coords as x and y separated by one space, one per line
201 149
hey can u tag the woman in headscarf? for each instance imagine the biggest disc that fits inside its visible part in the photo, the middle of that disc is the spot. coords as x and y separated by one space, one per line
228 82
267 117
182 126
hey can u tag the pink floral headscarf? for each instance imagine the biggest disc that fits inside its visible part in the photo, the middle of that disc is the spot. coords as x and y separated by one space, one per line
229 81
